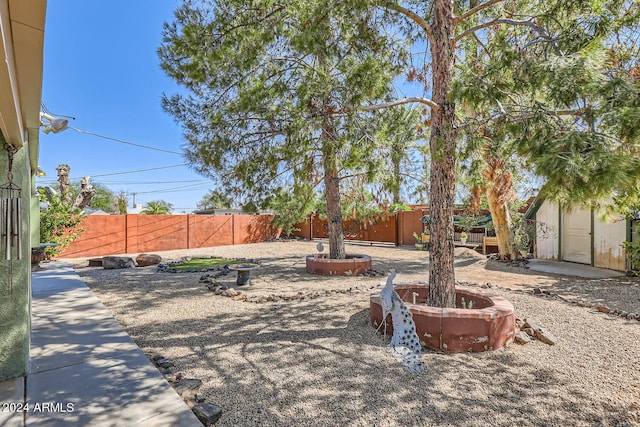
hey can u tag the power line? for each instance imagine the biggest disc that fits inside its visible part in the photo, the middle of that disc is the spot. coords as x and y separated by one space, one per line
150 182
139 170
175 189
127 172
125 142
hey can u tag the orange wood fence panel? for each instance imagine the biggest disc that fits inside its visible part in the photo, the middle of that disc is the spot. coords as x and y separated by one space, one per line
104 234
408 223
210 230
119 234
382 229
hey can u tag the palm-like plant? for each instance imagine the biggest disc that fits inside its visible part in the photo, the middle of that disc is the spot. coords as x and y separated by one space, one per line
157 207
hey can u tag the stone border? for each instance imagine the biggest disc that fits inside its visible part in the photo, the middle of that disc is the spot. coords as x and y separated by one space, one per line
168 267
322 265
490 326
208 413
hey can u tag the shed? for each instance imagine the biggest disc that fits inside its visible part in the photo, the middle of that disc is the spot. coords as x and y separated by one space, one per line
580 235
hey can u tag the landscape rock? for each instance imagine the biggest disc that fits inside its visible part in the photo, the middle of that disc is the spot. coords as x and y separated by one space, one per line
164 363
207 413
541 333
145 260
95 262
187 385
545 336
231 293
115 262
522 337
603 309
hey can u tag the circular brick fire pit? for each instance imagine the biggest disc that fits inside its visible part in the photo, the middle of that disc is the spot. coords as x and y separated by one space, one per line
489 325
322 265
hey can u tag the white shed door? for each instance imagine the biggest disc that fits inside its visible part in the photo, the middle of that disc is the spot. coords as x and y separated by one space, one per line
576 236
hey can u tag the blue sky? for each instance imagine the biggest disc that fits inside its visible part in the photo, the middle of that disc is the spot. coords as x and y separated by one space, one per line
100 66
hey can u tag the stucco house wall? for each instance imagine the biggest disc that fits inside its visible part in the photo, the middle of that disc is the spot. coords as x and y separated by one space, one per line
21 53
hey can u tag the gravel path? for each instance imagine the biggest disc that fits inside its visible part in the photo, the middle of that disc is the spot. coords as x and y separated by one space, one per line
318 362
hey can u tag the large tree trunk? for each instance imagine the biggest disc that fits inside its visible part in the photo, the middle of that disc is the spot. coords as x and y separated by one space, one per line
502 224
443 161
332 192
499 191
63 179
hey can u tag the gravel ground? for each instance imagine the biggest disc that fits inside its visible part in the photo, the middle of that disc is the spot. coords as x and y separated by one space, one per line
317 361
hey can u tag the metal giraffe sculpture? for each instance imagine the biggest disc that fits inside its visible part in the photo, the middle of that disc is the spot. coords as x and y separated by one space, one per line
405 343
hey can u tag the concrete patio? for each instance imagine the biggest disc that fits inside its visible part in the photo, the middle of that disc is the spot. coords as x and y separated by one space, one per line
85 369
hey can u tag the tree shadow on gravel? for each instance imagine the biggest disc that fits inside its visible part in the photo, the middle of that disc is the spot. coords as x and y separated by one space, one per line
301 364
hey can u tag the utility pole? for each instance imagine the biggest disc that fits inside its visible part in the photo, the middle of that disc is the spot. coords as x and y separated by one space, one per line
134 199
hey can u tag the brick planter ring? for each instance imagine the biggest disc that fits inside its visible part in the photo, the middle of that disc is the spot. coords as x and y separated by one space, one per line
489 325
322 265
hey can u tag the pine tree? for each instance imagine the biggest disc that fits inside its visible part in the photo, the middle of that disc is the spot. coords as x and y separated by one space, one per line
274 94
549 103
535 67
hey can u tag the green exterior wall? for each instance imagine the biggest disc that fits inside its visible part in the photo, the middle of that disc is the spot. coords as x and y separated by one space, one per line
15 279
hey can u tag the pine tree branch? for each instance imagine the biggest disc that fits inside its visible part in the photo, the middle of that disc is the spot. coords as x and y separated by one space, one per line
422 23
476 9
257 20
528 23
414 99
504 116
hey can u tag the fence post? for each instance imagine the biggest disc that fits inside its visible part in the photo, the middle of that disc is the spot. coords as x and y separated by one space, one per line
188 231
397 227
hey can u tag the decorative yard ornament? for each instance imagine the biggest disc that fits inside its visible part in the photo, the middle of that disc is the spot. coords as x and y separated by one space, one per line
405 344
11 212
10 218
320 247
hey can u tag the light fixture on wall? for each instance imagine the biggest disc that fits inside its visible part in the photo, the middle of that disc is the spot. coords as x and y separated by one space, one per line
53 124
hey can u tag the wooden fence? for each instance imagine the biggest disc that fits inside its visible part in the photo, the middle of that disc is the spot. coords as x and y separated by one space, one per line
397 229
121 234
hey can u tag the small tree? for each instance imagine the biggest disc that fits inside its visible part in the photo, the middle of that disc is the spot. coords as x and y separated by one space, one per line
289 209
59 224
157 207
121 202
278 106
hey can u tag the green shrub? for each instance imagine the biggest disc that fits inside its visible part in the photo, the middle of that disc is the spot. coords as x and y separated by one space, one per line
59 224
632 250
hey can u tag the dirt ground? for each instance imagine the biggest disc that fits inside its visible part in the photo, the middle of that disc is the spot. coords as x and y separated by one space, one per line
317 361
